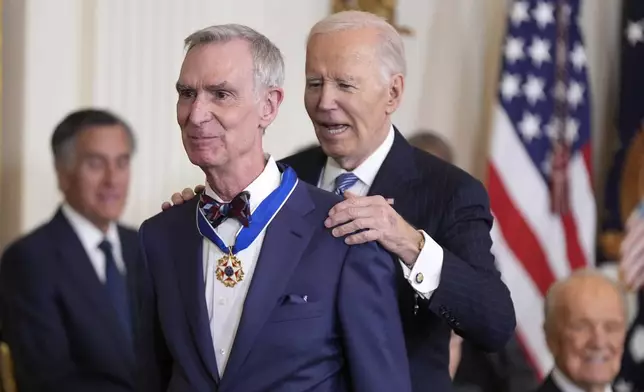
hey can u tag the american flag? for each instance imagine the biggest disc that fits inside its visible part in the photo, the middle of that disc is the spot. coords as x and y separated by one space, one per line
539 167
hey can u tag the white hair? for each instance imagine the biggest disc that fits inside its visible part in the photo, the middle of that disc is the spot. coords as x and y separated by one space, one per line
552 299
391 48
268 63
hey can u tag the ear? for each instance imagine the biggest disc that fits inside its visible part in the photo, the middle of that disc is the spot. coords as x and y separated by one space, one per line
396 88
62 175
551 338
269 105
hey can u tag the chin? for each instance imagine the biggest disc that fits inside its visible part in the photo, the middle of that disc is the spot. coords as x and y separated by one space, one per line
337 150
111 213
205 160
597 375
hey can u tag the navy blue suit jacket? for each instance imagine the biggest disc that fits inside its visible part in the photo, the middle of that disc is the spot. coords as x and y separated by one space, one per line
453 208
57 317
548 385
346 337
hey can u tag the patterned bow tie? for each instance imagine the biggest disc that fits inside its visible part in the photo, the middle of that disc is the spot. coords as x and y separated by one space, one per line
216 212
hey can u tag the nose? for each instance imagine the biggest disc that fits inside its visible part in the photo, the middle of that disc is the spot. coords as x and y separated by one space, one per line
110 174
327 100
599 337
199 113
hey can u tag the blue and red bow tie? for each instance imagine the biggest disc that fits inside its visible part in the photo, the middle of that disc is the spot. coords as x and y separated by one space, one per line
216 212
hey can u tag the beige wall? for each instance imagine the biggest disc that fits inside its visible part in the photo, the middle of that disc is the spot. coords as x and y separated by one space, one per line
125 55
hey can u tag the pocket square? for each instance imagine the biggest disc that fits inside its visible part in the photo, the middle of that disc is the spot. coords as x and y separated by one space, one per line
295 299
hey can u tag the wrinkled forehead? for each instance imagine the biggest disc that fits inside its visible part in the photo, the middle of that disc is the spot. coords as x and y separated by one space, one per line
217 62
347 48
592 299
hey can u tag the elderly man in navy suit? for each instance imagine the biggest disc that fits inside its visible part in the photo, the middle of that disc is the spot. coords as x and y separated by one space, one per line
248 291
432 216
66 288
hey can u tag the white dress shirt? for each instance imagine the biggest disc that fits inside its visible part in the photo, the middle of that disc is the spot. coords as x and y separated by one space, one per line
225 304
430 260
91 237
565 385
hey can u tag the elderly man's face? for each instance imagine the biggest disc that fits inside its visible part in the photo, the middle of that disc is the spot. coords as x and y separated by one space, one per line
217 109
347 96
588 333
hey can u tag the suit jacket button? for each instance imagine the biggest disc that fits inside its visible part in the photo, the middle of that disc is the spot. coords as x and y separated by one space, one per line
419 278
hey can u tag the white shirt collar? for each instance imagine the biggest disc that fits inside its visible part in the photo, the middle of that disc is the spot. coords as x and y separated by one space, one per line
367 170
268 180
566 385
90 235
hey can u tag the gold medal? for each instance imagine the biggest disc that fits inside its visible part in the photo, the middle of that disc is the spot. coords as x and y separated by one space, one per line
229 270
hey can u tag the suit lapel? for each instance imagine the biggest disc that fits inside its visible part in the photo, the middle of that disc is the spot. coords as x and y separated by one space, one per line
549 385
81 272
310 170
397 168
286 239
187 254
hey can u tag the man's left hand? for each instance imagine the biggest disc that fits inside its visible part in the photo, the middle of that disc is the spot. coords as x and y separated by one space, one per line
378 222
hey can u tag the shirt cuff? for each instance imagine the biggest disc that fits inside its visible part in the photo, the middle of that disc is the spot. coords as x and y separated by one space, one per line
425 274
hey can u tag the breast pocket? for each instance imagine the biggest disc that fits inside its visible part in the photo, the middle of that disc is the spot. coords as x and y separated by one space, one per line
289 312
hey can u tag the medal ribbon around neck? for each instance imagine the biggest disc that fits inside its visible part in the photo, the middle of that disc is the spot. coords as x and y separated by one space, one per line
261 217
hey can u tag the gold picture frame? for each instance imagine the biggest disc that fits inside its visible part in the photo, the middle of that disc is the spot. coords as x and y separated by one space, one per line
386 9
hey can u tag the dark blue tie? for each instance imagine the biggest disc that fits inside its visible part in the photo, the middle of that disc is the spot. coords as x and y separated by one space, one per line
116 288
344 181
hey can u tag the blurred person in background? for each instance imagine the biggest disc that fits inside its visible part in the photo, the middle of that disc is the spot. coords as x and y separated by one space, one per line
432 216
631 274
631 264
431 142
472 369
66 288
585 328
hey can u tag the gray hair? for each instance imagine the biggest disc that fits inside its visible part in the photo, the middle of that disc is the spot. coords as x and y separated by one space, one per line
391 49
63 140
268 63
553 294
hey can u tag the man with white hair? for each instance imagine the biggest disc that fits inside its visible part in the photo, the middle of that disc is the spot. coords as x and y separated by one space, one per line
248 291
585 327
432 216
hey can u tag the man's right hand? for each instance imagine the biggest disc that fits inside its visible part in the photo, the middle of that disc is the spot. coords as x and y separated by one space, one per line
180 198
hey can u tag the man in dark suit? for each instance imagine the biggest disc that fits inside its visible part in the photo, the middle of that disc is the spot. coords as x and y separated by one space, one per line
65 289
585 327
432 216
248 291
472 369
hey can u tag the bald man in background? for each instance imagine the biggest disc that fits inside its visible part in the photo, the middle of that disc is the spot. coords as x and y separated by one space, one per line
585 328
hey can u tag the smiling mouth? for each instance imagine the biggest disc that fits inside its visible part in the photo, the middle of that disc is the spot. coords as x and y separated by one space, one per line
597 359
201 139
333 129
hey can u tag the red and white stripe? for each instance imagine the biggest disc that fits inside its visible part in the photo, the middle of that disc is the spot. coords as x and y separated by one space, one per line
534 247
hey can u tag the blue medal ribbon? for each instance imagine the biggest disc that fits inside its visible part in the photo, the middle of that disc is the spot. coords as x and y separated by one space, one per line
260 218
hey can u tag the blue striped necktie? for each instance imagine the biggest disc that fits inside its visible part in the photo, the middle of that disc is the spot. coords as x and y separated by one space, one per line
343 182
